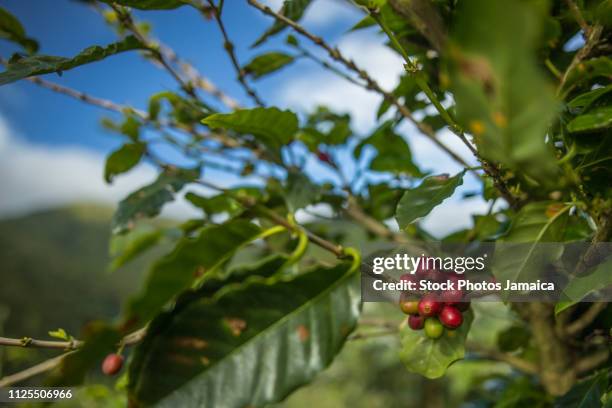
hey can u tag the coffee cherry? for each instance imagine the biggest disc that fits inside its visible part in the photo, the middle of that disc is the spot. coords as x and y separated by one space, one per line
324 157
410 307
450 317
416 322
433 328
112 364
429 306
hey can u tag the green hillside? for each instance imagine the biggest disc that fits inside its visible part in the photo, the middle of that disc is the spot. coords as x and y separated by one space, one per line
55 271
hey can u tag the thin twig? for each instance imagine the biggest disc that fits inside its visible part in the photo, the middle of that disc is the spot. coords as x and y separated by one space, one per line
371 84
45 366
590 362
578 16
585 319
28 342
230 49
514 361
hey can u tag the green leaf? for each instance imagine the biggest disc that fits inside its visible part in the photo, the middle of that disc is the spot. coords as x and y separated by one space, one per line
507 106
325 127
583 101
394 154
585 394
432 357
12 30
273 127
579 287
59 334
183 110
266 268
301 191
595 119
149 200
150 4
124 248
267 63
419 201
45 64
249 345
123 160
293 10
217 204
187 263
587 70
535 235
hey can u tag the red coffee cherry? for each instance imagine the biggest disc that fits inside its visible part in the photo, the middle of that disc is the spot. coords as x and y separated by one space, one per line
112 364
450 317
429 306
416 322
324 157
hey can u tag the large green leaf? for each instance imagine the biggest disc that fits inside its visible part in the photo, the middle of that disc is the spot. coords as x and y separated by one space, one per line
190 260
502 98
531 243
586 393
432 357
267 63
595 119
123 160
588 70
394 154
579 287
45 64
293 10
301 191
150 4
149 200
12 30
585 100
419 201
273 127
124 248
250 345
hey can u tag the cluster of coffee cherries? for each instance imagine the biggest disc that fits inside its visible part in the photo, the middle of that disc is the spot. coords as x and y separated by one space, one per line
434 311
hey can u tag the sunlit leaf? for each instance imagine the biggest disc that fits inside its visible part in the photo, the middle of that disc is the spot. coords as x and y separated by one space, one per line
45 64
419 201
273 127
149 200
12 30
123 160
267 63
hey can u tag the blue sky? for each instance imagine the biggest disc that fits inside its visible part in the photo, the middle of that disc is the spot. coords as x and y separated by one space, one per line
54 146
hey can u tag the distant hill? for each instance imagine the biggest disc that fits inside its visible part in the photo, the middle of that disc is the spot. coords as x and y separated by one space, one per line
54 271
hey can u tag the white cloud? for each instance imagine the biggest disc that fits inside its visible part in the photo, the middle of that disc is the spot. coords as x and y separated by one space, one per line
36 177
322 13
321 87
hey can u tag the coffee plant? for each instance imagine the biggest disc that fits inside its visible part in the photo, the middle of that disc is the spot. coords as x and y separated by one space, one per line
208 330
